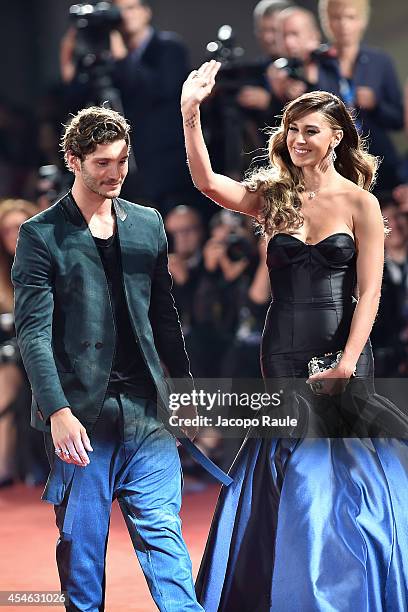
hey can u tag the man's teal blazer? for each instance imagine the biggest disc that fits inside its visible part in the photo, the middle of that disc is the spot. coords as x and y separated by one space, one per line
63 314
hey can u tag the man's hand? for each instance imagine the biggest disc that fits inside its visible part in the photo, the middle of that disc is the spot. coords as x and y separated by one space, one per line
257 98
232 269
67 52
178 269
365 98
118 50
212 252
70 437
295 89
117 45
282 86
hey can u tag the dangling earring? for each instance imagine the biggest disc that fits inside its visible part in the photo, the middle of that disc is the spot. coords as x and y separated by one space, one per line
328 159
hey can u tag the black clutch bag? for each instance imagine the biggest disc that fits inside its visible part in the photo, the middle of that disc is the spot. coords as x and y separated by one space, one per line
321 364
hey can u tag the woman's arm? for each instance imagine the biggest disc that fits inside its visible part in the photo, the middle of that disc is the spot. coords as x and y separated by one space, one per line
223 190
369 233
260 289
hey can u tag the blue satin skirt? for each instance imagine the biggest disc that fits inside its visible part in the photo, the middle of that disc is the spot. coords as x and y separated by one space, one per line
311 525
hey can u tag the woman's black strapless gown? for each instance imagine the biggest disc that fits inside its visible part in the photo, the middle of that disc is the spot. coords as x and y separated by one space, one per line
311 524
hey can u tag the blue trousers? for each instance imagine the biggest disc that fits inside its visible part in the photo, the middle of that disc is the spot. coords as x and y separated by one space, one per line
135 460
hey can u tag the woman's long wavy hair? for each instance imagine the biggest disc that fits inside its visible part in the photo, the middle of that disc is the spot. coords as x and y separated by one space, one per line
281 182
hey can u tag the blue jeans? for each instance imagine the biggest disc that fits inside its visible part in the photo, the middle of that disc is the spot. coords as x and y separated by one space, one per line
135 460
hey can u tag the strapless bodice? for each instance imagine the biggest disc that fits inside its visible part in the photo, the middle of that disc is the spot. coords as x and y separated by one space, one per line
312 273
312 295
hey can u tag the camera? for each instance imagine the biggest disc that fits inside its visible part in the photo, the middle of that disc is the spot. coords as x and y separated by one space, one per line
234 72
95 64
9 352
96 16
231 125
224 49
237 245
94 23
51 183
7 323
239 248
294 67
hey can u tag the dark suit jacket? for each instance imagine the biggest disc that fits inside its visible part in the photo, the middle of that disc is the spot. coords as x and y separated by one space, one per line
150 86
63 314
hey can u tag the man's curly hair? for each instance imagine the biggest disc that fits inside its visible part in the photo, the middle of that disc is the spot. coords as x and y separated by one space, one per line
89 128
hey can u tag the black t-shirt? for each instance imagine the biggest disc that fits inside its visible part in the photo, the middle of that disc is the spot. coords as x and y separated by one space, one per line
129 369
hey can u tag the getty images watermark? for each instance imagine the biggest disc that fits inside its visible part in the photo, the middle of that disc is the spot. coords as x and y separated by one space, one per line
211 402
361 407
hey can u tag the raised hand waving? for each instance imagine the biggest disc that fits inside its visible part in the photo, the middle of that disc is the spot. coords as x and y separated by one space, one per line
199 84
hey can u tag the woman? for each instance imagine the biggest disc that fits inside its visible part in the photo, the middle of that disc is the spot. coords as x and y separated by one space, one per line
365 78
308 524
12 214
14 392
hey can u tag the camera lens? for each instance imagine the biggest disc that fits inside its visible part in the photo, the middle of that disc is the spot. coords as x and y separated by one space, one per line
7 322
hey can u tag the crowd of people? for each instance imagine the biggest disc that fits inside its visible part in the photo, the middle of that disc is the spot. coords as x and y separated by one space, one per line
217 259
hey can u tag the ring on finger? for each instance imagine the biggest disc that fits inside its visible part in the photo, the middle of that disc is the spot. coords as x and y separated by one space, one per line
58 451
66 452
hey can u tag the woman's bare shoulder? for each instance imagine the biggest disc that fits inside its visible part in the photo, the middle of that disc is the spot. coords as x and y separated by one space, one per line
365 211
360 199
365 202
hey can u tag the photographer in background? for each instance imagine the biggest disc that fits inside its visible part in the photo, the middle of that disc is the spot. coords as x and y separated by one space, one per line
266 16
242 106
366 80
298 39
230 258
148 70
185 233
51 184
21 449
390 331
241 362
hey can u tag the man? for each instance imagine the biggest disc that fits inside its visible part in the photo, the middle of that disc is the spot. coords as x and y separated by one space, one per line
149 69
94 316
185 228
298 36
243 118
265 16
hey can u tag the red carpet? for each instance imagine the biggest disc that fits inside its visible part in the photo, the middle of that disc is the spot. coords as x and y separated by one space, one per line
28 535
